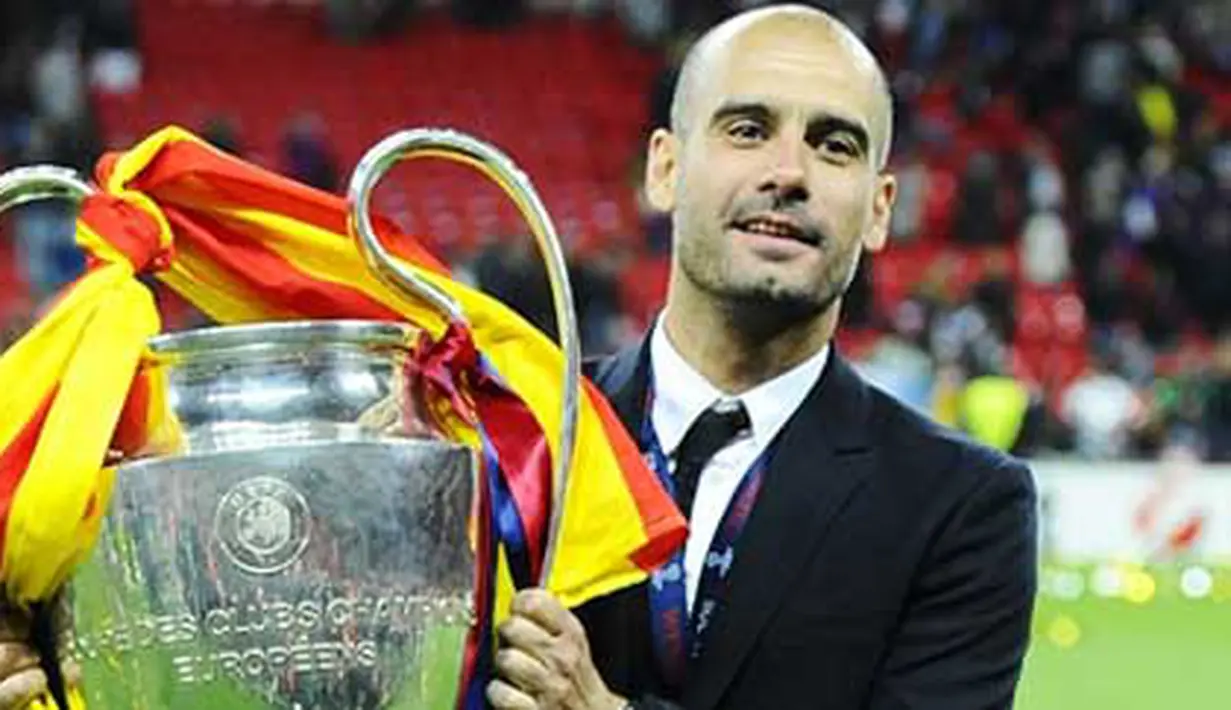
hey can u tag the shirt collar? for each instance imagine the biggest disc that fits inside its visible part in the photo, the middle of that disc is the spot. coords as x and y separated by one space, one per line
681 394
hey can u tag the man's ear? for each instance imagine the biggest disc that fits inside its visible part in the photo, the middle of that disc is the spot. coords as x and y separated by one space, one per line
662 169
882 212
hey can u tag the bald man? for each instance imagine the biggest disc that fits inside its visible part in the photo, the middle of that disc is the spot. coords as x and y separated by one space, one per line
843 552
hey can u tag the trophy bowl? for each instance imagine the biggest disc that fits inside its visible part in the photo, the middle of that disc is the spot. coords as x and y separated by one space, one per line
294 537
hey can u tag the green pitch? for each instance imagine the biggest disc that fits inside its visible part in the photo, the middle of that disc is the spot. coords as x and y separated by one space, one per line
1147 645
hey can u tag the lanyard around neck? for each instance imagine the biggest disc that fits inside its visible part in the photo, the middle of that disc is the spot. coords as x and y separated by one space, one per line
679 638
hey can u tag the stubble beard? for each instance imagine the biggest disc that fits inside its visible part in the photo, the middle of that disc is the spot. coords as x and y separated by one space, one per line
763 307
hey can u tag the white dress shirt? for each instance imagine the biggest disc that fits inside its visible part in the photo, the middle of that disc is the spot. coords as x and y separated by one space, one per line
681 394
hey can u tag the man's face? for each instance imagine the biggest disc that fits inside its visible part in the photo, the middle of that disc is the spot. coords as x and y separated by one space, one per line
774 185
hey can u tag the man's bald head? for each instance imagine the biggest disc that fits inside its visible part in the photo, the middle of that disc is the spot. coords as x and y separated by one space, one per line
715 46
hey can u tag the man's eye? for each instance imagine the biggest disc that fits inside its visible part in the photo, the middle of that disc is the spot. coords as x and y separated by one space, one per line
746 131
838 147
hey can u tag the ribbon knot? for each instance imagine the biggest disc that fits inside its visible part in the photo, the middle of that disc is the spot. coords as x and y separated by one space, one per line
131 232
440 368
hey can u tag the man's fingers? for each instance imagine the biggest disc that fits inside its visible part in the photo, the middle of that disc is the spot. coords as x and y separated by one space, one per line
22 680
521 632
504 696
541 607
563 654
523 670
16 691
15 658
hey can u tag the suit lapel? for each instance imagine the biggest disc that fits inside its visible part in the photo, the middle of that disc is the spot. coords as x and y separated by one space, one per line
623 378
821 460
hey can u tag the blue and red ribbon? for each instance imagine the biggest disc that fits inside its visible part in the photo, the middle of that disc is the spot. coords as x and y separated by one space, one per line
514 495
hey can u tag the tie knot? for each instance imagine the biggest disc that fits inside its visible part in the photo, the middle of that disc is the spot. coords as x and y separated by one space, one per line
713 430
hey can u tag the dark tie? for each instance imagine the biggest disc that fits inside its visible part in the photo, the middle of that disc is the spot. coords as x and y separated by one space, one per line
712 431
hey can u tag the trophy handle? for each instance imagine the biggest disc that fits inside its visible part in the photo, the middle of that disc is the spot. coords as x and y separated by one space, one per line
494 164
31 183
20 186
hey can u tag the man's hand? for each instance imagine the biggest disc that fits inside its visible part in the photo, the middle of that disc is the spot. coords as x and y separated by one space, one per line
22 680
544 660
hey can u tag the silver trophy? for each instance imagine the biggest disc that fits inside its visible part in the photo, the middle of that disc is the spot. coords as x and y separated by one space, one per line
296 537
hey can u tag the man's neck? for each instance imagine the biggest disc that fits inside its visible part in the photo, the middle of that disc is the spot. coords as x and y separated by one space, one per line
736 355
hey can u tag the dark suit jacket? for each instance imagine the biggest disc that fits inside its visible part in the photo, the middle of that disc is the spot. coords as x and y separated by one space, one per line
888 564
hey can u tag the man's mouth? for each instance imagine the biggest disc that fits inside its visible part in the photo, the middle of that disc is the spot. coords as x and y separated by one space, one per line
777 227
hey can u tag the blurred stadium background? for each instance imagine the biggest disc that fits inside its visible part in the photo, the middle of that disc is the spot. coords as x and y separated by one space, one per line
1058 284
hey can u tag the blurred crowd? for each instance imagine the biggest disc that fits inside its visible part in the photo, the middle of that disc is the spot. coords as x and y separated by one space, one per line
51 53
1072 146
1090 144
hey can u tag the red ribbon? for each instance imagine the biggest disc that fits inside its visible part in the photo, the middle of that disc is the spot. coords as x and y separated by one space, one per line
452 369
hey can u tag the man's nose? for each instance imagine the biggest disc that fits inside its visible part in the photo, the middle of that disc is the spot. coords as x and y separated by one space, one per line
788 170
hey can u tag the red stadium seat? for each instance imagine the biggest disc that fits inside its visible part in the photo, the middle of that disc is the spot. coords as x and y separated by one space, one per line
1053 314
278 61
